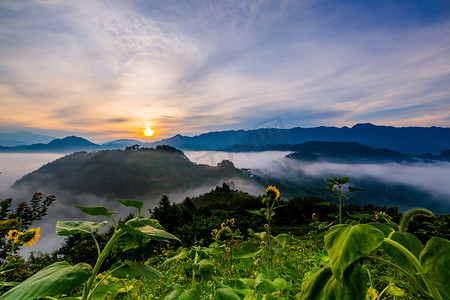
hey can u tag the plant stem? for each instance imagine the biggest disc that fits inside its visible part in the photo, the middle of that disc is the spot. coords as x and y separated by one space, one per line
415 262
104 254
411 278
193 269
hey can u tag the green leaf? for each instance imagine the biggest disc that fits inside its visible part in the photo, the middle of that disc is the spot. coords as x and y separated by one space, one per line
66 228
395 291
283 238
435 261
386 229
264 284
410 242
145 221
133 269
248 250
324 286
256 212
53 280
149 231
95 211
227 293
131 203
324 203
102 292
181 294
180 255
292 271
205 269
250 282
346 243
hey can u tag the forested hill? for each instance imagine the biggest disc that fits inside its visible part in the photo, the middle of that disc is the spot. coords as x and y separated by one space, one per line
128 173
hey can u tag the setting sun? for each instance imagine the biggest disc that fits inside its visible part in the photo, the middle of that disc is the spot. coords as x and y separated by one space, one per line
148 132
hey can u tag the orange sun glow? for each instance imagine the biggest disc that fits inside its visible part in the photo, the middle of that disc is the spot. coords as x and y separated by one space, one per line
148 132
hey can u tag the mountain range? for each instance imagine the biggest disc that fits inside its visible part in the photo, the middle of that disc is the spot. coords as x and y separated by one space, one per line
414 140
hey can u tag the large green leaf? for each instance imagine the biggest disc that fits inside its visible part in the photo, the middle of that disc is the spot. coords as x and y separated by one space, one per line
131 203
435 261
227 293
95 211
101 292
133 269
324 286
386 229
149 231
181 294
248 250
205 268
410 242
66 228
53 280
145 221
346 243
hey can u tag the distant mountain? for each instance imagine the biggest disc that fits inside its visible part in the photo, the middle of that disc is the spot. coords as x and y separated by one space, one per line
66 145
342 152
128 173
413 140
23 138
122 143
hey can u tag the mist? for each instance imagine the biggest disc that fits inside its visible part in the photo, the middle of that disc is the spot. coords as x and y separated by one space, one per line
431 178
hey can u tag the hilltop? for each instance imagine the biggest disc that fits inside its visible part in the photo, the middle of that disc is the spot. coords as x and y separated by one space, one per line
128 173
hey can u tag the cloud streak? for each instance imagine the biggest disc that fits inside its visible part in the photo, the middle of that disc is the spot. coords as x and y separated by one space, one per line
77 65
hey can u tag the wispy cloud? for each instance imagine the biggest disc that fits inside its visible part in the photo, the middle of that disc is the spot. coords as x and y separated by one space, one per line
211 65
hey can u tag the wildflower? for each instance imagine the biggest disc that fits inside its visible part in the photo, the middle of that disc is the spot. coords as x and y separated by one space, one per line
13 235
100 276
313 215
31 236
232 221
227 249
233 242
266 226
262 244
273 192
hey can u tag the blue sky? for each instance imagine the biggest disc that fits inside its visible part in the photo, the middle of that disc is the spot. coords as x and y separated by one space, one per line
108 69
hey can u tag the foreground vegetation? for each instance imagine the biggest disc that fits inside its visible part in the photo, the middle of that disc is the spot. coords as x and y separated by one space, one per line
230 245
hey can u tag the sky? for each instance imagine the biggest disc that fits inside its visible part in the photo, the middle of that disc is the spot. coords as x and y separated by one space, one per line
108 69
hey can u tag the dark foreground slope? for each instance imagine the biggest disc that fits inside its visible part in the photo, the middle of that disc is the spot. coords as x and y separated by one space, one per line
128 173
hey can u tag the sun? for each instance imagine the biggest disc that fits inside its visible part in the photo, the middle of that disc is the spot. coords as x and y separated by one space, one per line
148 132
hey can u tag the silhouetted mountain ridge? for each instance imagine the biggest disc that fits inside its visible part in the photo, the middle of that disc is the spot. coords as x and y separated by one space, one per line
415 140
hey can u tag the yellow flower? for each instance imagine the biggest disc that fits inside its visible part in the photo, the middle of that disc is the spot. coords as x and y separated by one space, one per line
262 244
227 249
266 226
13 235
313 215
273 191
232 221
31 236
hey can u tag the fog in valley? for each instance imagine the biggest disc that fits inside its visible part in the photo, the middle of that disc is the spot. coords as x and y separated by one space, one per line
431 178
